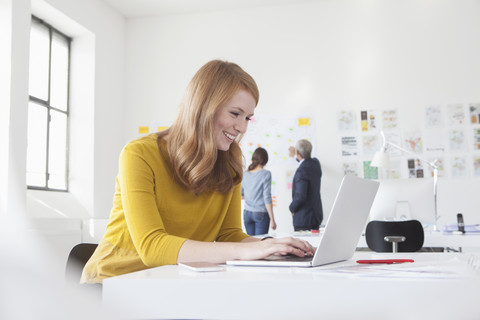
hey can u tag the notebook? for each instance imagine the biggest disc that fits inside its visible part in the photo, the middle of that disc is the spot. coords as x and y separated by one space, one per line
344 227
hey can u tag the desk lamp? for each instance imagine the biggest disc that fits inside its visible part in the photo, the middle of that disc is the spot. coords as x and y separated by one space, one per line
381 159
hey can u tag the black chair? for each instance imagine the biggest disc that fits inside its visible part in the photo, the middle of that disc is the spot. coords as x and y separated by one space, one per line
394 236
76 260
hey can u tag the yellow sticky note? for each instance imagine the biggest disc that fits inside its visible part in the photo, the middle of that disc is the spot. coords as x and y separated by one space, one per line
143 129
364 126
161 128
304 121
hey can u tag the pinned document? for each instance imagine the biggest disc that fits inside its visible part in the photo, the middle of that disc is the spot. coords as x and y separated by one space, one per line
304 121
143 130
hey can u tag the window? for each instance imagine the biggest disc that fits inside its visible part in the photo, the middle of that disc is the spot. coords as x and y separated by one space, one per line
48 117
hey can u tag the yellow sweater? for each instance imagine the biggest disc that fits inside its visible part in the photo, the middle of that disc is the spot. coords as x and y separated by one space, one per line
153 215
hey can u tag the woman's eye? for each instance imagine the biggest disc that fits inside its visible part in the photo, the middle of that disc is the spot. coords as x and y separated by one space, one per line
236 114
248 118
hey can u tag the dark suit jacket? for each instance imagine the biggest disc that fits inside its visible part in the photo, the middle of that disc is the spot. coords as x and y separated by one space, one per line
306 202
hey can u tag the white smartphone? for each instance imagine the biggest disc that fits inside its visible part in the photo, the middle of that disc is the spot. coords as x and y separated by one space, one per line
202 266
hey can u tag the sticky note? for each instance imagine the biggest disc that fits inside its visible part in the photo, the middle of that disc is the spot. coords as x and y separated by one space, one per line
143 129
364 126
304 121
161 128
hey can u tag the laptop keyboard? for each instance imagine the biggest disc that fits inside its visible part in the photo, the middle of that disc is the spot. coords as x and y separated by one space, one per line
287 258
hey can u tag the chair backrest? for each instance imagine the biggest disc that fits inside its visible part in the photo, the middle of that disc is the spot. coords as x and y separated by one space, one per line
77 259
412 230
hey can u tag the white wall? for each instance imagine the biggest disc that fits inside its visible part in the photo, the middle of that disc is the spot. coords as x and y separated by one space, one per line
96 100
96 131
5 68
318 58
14 98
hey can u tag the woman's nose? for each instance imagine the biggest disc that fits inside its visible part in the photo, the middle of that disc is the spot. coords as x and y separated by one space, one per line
241 125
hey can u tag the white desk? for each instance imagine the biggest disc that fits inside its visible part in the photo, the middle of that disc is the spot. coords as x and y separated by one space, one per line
173 292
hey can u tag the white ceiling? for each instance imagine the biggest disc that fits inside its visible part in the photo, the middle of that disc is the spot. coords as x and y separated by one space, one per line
145 8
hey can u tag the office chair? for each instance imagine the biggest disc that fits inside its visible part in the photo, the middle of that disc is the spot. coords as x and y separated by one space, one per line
76 260
394 236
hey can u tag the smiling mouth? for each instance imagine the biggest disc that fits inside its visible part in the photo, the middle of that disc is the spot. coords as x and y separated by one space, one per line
229 136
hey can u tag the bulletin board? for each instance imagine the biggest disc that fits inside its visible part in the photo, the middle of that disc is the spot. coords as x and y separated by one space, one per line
276 134
450 136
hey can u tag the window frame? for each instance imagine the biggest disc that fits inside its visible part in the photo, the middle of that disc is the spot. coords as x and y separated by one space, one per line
47 104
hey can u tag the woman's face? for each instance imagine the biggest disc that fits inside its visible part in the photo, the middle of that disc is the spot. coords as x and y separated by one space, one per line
231 119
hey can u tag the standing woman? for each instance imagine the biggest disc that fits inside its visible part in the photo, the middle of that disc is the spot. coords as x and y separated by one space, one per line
177 196
256 190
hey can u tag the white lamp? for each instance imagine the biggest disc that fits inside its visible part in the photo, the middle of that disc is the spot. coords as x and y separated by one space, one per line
381 159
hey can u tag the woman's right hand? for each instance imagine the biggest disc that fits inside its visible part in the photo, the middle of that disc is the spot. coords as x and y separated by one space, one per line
273 225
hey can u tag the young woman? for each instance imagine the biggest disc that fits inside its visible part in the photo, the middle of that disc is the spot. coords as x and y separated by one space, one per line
256 190
177 196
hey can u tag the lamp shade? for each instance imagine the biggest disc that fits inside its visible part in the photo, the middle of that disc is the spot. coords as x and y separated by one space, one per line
381 160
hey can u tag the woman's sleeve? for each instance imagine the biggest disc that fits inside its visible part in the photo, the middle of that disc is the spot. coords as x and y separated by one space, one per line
231 229
145 225
267 188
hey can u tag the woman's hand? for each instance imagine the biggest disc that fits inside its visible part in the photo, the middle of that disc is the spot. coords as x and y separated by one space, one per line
281 246
273 225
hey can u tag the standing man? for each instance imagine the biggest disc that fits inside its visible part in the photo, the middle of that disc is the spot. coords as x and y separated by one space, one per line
306 206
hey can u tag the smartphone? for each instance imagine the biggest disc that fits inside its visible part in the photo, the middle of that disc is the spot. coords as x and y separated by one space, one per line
460 223
202 266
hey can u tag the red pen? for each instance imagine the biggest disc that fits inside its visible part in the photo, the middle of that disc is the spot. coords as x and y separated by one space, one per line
385 261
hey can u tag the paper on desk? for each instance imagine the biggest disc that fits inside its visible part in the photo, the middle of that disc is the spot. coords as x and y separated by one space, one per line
451 269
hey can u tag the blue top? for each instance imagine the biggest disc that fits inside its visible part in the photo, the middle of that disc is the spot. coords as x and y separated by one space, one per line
256 188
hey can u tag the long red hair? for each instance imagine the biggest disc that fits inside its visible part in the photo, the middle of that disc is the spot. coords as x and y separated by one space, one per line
196 162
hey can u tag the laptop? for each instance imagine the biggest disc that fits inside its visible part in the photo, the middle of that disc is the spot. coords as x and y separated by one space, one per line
342 232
